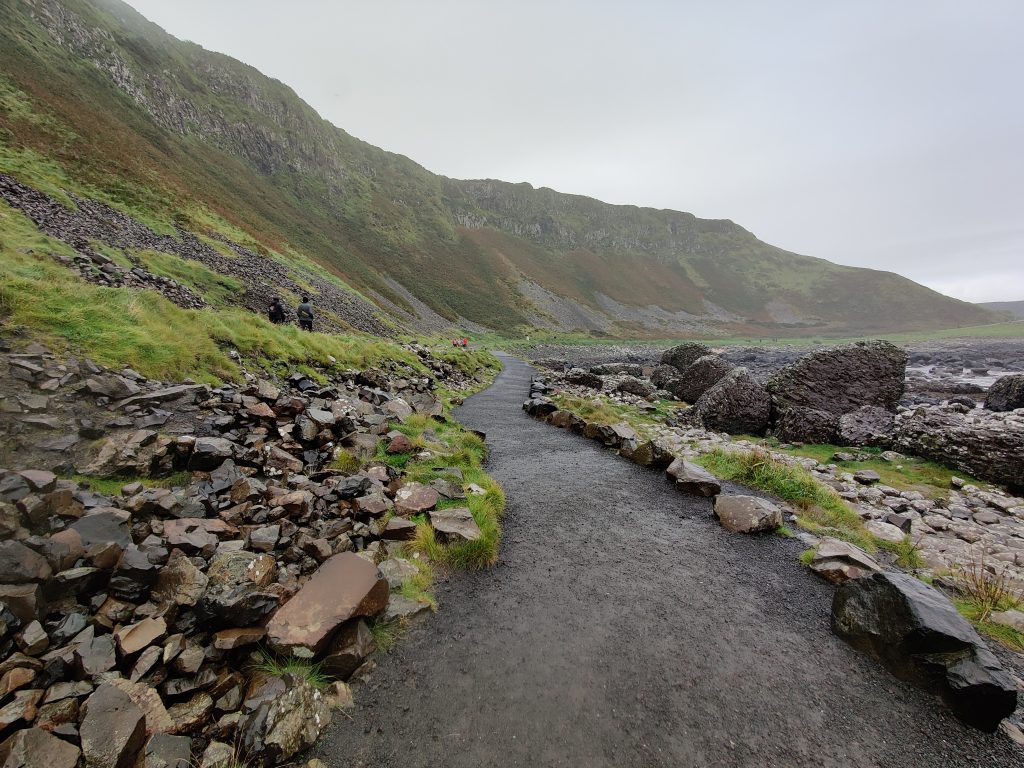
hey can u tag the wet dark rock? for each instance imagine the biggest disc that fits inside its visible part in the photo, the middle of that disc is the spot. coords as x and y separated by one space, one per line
706 371
692 478
683 356
584 379
278 727
807 425
113 729
738 404
19 564
915 631
1006 394
868 425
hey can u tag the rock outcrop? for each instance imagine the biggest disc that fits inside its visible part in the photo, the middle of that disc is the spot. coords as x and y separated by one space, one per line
698 377
683 356
1007 394
738 404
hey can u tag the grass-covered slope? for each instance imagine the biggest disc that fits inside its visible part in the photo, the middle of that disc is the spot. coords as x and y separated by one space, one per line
104 100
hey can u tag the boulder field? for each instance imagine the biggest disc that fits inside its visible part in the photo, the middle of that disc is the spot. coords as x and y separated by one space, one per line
155 535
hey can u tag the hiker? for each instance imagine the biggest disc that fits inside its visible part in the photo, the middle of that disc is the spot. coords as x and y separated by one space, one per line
276 312
465 343
305 314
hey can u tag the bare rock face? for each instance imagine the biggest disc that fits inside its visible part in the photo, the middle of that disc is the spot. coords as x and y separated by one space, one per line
346 586
747 514
737 404
683 356
869 425
699 377
808 425
915 631
113 729
982 443
842 379
284 717
1007 394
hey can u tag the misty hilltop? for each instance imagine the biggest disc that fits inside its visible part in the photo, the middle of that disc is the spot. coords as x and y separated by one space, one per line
98 103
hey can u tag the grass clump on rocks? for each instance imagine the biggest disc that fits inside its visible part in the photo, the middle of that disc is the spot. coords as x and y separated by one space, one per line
821 510
277 666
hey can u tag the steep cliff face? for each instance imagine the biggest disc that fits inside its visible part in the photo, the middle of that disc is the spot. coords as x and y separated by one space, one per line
206 128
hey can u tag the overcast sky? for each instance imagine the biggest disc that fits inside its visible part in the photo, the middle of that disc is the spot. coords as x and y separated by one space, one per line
872 133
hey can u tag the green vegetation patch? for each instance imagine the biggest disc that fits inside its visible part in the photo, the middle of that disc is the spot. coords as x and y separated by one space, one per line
276 666
822 511
219 290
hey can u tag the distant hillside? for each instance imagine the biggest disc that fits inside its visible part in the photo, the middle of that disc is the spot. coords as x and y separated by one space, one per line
96 100
1016 308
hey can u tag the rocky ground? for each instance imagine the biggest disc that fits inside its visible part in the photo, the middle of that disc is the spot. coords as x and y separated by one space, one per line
154 535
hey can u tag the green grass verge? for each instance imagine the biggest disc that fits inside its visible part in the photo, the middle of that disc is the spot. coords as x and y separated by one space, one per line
1008 636
820 509
111 486
276 666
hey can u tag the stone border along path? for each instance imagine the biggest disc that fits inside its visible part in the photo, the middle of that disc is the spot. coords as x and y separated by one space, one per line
624 626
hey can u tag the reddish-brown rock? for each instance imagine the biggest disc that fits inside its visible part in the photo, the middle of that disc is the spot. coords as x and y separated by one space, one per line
345 587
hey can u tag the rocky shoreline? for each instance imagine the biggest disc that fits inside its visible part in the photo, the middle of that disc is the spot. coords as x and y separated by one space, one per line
149 622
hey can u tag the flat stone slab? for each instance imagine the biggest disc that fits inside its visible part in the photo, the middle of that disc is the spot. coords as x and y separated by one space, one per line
838 561
455 524
693 478
346 586
747 514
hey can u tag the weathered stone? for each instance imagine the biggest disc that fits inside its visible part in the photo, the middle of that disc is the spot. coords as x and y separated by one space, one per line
230 606
190 714
19 564
915 631
807 425
229 639
32 639
111 386
692 478
683 356
180 582
869 425
36 748
400 444
635 386
208 453
866 476
1006 394
231 569
166 751
397 570
454 525
401 607
132 639
747 514
96 655
884 531
1011 618
344 587
147 699
21 708
737 404
582 378
217 755
838 561
697 378
113 729
281 726
399 529
414 498
842 379
353 643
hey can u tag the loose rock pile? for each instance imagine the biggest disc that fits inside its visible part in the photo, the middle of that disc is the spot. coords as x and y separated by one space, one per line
128 622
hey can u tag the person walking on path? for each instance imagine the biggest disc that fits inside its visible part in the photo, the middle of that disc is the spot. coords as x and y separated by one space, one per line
305 314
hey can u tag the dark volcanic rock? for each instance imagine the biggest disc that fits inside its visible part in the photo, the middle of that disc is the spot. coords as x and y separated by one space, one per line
866 426
842 379
1007 394
982 443
692 478
584 378
284 722
737 404
809 425
918 635
113 729
698 378
683 356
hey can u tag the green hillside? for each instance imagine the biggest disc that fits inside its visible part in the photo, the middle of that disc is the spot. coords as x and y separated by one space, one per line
98 102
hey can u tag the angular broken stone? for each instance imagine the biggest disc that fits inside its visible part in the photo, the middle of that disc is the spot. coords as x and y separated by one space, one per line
229 639
414 498
113 729
838 561
397 570
19 564
132 639
399 529
166 751
353 643
693 478
455 524
747 514
180 582
234 568
36 748
344 587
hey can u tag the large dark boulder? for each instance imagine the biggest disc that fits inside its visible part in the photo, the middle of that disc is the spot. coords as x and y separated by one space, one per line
1007 394
699 377
866 426
987 445
663 376
582 378
842 379
611 369
683 356
635 386
915 631
737 404
807 425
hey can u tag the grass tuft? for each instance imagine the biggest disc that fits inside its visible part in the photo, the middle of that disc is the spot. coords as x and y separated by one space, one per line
277 666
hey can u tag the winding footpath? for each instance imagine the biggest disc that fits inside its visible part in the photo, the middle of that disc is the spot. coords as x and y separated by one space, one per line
623 626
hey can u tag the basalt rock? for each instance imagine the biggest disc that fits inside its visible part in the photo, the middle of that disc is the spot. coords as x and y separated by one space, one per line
282 720
683 356
915 631
808 425
737 404
842 379
747 514
692 478
1006 394
698 378
869 425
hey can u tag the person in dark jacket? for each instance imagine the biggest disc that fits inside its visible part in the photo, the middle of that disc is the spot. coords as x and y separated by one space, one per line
276 311
305 314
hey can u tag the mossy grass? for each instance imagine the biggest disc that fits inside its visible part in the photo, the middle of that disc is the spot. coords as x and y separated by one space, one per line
820 509
386 634
807 556
277 665
974 612
111 486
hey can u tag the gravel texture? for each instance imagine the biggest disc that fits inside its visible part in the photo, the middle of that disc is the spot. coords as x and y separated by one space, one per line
624 626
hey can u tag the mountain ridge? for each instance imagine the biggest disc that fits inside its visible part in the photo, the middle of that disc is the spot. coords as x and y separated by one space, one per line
482 253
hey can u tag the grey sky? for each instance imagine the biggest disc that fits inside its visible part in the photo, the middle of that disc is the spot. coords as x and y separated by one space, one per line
872 133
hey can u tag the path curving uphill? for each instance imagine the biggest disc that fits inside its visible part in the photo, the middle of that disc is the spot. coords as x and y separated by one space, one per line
624 627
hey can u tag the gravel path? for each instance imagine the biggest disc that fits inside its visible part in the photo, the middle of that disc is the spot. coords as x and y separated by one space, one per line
623 627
